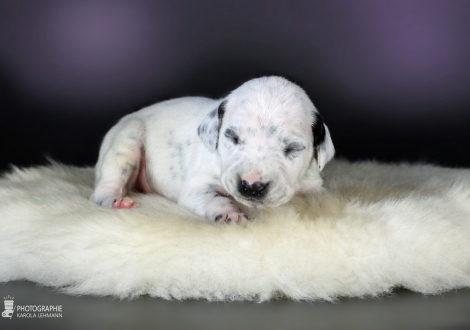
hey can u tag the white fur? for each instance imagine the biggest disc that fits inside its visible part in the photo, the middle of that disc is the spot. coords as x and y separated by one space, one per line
378 227
191 160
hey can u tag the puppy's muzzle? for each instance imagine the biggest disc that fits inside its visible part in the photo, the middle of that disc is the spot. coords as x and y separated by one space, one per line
256 190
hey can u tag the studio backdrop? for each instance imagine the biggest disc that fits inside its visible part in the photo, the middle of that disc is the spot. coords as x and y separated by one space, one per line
392 78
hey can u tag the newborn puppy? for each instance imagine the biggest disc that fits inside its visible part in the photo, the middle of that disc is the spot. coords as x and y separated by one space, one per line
259 146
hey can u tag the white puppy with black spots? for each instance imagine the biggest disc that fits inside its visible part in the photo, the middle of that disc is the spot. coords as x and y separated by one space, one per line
258 146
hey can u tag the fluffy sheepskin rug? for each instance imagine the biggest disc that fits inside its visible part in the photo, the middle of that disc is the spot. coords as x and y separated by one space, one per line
377 227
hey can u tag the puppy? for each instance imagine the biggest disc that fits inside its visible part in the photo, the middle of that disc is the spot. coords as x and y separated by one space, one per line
258 146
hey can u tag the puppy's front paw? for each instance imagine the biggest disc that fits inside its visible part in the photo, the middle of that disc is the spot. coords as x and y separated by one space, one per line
231 217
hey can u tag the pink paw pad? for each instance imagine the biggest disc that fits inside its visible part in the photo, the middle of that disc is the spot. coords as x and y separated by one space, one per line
123 203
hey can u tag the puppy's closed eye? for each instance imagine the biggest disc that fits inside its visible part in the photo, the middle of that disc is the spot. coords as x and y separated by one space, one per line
232 136
293 149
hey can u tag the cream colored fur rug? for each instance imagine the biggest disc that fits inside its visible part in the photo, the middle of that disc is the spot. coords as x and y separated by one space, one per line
377 227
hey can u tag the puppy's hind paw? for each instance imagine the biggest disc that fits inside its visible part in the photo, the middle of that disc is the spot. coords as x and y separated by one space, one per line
123 203
114 202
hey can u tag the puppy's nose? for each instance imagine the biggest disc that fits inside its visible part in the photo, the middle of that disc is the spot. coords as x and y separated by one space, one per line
256 189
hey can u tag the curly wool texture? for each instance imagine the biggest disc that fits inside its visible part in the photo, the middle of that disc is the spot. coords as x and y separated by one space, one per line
377 227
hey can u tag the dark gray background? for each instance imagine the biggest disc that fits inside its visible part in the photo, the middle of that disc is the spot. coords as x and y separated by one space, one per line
404 310
392 79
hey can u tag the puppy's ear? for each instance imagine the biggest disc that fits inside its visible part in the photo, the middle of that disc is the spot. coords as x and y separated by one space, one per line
323 149
209 129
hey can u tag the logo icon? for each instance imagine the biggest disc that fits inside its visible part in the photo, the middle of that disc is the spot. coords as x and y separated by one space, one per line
8 312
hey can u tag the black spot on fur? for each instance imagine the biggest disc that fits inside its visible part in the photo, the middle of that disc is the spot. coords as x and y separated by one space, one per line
318 129
221 111
201 129
220 114
218 217
179 147
272 130
213 113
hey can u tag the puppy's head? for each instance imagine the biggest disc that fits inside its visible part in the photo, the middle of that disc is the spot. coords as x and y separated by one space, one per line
271 140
